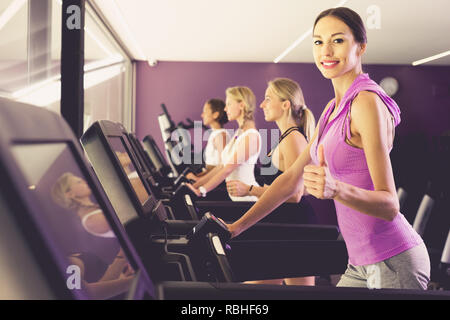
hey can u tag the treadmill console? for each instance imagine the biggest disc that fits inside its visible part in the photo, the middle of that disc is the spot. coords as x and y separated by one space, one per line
209 224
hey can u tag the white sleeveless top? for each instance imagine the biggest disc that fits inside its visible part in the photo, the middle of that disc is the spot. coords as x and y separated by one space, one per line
211 154
245 171
108 234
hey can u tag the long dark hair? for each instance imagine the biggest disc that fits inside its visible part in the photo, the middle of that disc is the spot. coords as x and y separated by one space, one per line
217 105
350 18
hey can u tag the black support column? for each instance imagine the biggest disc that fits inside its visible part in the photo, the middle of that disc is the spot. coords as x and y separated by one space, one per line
72 63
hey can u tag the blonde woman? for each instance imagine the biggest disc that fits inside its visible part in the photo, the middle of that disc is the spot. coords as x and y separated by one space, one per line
100 280
240 155
73 193
285 105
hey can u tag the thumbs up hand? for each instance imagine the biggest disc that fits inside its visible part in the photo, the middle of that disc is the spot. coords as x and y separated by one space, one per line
318 180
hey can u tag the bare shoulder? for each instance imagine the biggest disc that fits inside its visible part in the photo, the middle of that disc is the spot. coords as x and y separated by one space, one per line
368 106
295 139
366 101
291 147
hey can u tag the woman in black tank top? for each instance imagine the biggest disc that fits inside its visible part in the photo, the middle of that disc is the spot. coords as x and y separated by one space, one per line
284 104
304 213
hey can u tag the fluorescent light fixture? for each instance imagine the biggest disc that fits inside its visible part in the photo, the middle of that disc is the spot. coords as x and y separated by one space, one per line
11 11
302 37
292 46
437 56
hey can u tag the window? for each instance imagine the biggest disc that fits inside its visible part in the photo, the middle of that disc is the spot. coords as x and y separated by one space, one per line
108 76
30 62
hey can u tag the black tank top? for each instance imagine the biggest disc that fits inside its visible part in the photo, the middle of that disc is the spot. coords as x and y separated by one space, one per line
304 212
270 178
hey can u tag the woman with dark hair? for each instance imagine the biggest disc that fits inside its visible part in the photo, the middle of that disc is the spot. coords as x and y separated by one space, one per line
347 160
213 116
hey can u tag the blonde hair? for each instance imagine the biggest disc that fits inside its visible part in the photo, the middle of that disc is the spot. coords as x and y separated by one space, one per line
59 190
245 95
289 90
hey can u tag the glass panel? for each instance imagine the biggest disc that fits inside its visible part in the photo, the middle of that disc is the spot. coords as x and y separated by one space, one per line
30 62
13 46
75 222
104 94
30 49
107 86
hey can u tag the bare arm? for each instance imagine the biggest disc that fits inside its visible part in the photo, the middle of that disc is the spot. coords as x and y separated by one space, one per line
285 186
291 148
108 289
368 123
205 178
239 189
258 191
244 151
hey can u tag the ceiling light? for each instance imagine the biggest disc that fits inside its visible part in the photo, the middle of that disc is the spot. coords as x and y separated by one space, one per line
437 56
302 37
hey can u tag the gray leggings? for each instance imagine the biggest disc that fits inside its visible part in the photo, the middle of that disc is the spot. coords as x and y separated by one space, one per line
407 270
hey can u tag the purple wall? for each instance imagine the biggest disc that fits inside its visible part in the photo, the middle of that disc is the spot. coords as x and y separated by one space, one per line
423 97
424 94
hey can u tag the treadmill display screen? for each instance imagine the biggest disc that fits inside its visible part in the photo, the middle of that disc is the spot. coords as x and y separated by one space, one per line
129 168
74 222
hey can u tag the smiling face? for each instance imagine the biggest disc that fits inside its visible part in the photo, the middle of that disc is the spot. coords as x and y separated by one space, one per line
335 50
272 106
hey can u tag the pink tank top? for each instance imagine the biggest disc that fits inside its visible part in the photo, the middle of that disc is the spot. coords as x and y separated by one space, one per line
368 239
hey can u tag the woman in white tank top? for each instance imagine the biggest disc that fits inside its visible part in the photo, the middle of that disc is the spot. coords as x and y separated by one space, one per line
73 193
213 116
241 153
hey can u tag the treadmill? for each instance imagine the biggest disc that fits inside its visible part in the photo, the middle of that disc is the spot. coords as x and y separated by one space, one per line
30 135
47 252
104 139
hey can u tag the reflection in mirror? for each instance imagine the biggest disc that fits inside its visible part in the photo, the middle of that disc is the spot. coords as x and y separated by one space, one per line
127 165
94 261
